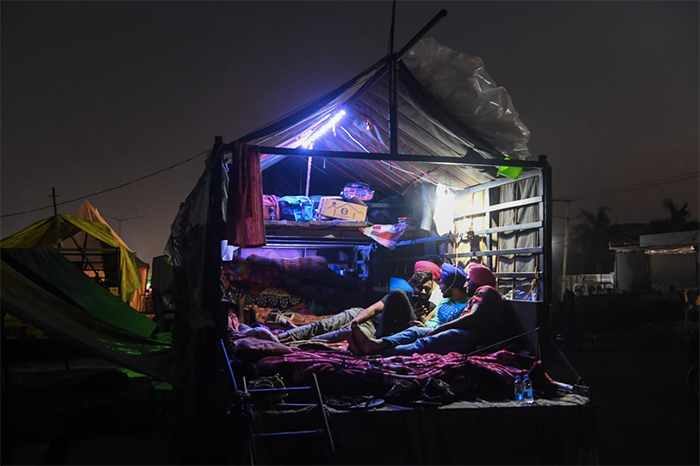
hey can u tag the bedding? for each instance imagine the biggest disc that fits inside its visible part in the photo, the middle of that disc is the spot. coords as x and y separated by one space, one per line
289 286
403 378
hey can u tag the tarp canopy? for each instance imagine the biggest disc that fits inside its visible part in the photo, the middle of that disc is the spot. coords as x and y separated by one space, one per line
48 265
88 212
44 232
447 104
50 305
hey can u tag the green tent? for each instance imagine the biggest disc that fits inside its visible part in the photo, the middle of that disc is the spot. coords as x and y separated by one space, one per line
49 267
44 289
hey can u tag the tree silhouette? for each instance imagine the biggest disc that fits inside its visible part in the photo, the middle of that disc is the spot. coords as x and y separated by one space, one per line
678 218
592 238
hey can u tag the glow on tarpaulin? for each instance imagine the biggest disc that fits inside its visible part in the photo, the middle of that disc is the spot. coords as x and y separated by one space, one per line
309 142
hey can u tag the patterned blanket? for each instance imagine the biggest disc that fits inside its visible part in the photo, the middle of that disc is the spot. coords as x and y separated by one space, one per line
489 377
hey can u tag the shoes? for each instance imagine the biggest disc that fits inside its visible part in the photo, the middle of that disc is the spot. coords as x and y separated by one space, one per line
348 403
437 390
403 389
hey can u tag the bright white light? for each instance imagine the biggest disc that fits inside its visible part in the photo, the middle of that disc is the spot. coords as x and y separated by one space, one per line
309 143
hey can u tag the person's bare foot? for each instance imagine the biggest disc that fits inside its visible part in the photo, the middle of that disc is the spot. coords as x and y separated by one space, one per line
352 346
286 323
360 344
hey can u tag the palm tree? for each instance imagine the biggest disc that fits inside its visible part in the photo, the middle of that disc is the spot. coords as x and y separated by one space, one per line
677 217
593 237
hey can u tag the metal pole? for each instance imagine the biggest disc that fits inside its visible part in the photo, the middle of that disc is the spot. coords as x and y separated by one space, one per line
393 92
426 29
308 175
547 172
55 218
566 248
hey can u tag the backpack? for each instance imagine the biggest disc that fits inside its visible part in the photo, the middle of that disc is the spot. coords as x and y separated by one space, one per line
296 208
271 207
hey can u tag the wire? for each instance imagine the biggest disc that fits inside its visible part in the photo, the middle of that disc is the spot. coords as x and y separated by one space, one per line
108 189
631 187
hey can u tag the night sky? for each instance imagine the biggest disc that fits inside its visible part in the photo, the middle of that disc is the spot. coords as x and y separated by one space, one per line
99 94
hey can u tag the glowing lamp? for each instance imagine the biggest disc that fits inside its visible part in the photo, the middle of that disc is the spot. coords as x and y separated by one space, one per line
309 142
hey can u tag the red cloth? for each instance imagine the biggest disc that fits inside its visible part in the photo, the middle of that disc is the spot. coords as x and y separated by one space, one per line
484 294
245 226
432 267
480 274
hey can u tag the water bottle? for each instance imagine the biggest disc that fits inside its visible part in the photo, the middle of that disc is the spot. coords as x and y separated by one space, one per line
527 390
518 389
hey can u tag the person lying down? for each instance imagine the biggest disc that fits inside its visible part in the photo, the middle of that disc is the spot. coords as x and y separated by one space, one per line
392 314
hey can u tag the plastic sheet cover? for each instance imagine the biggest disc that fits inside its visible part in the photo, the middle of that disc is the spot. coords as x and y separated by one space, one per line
461 86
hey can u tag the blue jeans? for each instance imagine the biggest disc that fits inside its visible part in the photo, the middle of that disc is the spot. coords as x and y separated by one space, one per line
414 340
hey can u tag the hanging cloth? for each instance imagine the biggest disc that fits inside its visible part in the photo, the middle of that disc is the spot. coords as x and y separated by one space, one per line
245 226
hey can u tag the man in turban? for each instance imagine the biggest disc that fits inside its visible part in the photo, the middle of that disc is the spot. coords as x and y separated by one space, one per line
469 316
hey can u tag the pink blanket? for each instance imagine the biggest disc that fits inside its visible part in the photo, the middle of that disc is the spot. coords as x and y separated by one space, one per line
340 373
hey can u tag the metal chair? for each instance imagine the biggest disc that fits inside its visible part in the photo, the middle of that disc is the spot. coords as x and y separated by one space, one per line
278 398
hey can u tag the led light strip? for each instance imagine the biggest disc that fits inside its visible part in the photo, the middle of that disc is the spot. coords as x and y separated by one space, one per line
309 143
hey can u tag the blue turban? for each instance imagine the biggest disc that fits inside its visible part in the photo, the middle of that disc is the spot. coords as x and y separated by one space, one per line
400 284
453 277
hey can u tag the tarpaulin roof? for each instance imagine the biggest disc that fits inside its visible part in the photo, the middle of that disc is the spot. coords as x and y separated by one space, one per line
47 264
88 212
44 232
50 305
447 106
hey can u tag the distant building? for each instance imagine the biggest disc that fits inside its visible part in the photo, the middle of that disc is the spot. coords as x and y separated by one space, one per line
659 262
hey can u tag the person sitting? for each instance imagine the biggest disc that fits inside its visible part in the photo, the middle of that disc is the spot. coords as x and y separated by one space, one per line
466 319
393 313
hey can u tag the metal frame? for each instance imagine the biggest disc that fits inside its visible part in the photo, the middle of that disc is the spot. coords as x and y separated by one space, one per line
544 202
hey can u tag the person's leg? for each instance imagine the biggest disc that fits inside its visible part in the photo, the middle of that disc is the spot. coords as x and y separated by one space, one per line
397 314
321 327
407 336
343 333
359 343
455 340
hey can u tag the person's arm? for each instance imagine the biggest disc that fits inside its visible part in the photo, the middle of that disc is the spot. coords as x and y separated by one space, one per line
431 314
368 313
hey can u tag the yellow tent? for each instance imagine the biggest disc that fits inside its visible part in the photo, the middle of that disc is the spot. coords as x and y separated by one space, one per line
45 232
87 212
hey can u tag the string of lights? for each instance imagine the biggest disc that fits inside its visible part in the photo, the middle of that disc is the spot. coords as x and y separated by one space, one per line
108 189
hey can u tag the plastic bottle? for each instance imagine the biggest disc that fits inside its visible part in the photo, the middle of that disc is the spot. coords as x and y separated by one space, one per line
527 390
518 389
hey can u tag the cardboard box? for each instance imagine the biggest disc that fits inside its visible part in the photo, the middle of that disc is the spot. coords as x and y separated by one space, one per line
336 207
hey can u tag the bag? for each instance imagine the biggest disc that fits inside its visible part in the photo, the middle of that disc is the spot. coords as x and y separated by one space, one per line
358 189
296 208
271 207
